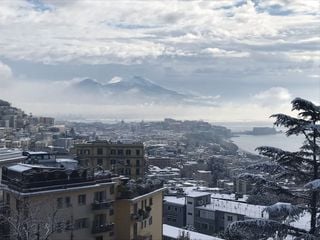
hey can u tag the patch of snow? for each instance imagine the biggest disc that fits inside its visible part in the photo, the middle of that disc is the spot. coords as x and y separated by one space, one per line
115 79
174 232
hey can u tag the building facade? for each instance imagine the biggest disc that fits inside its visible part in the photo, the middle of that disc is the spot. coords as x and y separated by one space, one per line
140 218
75 204
121 158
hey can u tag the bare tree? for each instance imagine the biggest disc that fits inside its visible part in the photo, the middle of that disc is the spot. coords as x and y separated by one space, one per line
31 221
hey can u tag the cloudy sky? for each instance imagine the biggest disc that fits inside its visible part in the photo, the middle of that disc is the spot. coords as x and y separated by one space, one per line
251 57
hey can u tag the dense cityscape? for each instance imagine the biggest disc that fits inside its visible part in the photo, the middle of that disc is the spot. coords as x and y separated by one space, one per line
159 120
165 179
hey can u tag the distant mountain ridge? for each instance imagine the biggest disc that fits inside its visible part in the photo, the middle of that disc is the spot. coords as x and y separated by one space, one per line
132 90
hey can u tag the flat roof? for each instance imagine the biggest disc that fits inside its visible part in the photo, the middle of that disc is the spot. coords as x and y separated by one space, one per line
249 210
174 232
175 200
197 194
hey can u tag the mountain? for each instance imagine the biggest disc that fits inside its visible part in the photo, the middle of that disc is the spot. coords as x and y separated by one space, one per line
123 91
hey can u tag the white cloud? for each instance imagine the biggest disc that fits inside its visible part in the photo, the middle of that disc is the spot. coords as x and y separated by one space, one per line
273 96
216 52
97 32
5 75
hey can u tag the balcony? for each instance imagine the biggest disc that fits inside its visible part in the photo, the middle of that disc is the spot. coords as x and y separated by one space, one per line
104 204
140 215
100 228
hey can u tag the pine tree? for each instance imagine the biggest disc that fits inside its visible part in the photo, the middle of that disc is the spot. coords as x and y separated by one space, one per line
301 168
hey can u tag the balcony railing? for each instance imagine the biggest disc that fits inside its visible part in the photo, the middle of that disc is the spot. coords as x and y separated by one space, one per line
104 204
140 215
100 228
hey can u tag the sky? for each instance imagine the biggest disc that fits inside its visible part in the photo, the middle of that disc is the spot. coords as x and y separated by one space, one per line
251 57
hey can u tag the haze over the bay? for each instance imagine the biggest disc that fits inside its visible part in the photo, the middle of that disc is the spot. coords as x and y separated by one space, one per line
212 60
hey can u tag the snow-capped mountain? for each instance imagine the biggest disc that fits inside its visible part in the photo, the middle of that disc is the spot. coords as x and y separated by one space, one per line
118 90
128 91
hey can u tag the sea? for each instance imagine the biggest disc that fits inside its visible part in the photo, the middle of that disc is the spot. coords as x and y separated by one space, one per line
250 142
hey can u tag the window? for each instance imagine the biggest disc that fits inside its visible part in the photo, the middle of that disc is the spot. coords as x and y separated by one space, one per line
82 199
59 227
204 226
128 161
120 152
111 212
111 234
176 209
113 161
68 202
137 152
112 189
169 207
18 204
135 208
145 223
128 152
141 226
150 220
100 219
138 171
112 152
99 162
8 199
138 162
150 201
189 202
189 213
99 151
135 229
68 225
100 196
229 218
59 202
99 238
81 223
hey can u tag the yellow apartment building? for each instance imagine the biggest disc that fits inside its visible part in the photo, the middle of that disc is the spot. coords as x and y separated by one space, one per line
122 158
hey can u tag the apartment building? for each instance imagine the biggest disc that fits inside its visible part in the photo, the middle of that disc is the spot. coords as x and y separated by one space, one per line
174 211
121 158
76 204
72 204
140 218
208 213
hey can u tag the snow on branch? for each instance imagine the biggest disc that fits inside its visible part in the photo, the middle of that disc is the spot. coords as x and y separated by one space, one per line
253 178
307 108
255 229
313 185
266 167
306 236
283 210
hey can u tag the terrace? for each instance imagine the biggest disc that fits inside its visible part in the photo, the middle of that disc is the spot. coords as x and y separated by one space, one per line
32 178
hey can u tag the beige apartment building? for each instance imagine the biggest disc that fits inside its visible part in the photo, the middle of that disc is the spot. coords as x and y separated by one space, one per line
76 205
121 158
138 218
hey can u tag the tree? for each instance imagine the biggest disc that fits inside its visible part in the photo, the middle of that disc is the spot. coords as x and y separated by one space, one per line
301 168
31 221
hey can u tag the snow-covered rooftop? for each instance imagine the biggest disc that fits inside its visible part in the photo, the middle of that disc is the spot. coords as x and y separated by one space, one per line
174 232
249 210
175 200
197 194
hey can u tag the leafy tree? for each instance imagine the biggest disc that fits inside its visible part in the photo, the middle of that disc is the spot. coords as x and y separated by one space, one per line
301 168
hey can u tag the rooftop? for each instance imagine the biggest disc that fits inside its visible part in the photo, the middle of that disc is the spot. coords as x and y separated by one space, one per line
35 178
174 232
175 200
249 210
